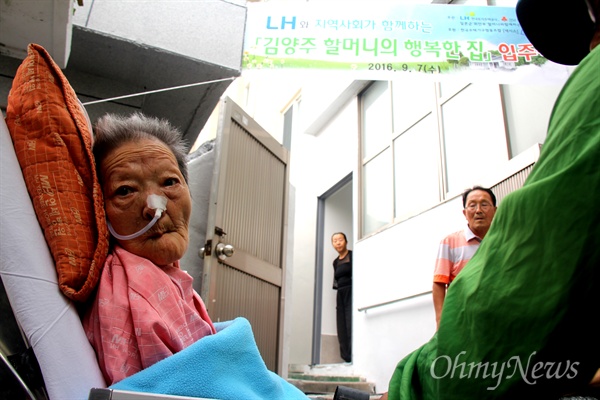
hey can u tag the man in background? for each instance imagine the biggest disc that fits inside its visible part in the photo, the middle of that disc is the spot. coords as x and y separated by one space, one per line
456 249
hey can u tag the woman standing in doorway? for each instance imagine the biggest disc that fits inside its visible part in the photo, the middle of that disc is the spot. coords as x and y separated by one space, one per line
342 282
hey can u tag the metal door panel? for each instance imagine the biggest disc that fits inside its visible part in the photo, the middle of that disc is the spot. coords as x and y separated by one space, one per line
256 300
248 211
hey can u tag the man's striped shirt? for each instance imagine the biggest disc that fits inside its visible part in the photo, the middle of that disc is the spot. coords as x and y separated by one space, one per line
454 252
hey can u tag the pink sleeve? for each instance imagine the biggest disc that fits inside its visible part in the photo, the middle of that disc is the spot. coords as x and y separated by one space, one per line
142 314
110 327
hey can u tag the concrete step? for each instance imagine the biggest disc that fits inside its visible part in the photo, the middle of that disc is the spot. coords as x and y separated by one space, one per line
319 382
345 369
326 378
329 396
325 387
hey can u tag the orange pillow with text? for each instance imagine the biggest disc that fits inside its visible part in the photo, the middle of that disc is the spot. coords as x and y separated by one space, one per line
52 137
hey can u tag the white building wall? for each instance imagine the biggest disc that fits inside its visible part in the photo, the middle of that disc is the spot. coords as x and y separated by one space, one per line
393 264
317 164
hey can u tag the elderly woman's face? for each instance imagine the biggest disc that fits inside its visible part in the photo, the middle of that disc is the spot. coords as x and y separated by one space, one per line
129 174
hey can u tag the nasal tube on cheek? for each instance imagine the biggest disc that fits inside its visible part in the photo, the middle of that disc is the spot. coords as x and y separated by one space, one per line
155 202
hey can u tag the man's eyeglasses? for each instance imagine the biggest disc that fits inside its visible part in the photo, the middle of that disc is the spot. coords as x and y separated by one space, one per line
484 205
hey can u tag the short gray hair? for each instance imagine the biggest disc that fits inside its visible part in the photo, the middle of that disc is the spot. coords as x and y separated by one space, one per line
112 131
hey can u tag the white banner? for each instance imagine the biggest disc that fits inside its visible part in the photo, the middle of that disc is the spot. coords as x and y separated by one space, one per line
388 40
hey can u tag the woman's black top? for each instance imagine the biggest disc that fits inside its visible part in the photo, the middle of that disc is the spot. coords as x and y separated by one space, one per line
342 271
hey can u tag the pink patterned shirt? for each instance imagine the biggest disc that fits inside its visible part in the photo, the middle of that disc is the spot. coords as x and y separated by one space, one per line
142 314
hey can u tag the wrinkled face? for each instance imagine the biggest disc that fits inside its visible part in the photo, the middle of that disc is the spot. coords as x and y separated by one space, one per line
479 212
339 243
129 174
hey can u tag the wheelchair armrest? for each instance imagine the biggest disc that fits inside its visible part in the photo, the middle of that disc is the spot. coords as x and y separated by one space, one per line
114 394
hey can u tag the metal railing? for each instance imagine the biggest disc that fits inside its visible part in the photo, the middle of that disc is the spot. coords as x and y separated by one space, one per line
393 301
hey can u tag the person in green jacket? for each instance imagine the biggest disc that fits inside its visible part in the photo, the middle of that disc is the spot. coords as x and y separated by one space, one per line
521 319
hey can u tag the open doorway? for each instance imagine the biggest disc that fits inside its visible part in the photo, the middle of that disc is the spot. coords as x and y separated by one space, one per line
334 214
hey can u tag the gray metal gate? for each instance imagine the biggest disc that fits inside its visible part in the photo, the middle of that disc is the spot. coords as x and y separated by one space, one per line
247 212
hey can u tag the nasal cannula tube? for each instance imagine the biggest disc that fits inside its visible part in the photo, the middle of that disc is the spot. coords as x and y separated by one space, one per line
155 202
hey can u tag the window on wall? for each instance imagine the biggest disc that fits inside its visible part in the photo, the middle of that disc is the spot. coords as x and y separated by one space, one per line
528 125
377 194
416 155
400 151
474 135
289 121
416 147
376 121
423 142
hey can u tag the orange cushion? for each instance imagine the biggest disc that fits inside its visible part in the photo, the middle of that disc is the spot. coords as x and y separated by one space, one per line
53 143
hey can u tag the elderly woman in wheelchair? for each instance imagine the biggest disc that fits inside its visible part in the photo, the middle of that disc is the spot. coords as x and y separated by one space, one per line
145 308
150 333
